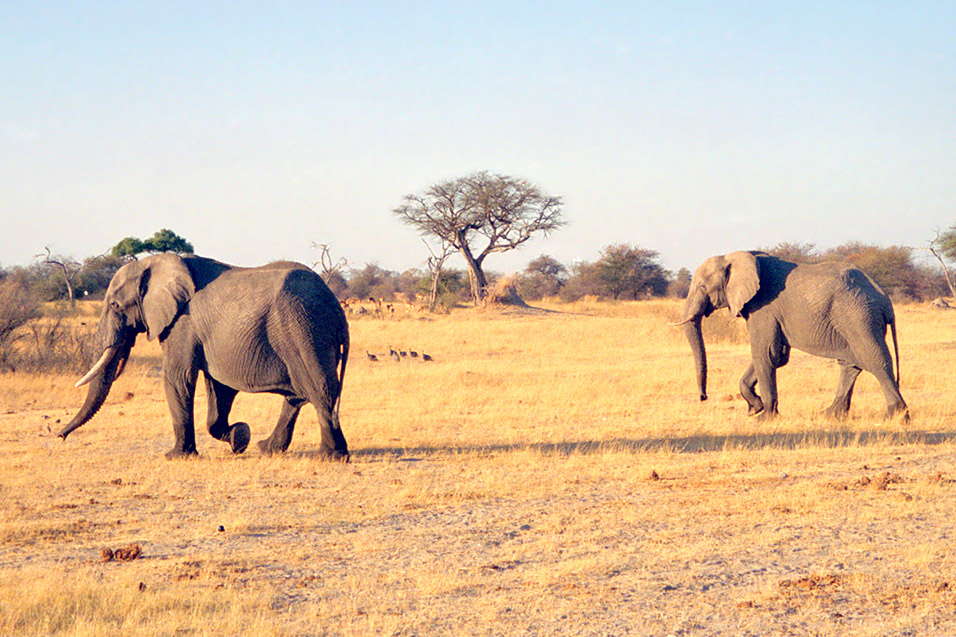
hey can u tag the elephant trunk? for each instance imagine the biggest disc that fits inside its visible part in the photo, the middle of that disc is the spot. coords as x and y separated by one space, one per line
104 372
696 307
695 337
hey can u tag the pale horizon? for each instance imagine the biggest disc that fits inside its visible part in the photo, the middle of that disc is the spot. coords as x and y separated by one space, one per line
684 128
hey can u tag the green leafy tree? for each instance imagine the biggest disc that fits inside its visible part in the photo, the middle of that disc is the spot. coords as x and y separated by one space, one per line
543 277
163 240
630 271
128 248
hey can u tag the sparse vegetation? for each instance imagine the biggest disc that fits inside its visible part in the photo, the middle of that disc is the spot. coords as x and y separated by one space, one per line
548 472
481 214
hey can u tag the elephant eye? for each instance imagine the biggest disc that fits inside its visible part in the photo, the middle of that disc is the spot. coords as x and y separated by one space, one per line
114 306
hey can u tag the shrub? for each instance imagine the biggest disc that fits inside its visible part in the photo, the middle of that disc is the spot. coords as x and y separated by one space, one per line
18 306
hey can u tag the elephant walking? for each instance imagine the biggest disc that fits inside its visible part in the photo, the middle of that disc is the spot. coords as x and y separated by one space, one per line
276 328
826 309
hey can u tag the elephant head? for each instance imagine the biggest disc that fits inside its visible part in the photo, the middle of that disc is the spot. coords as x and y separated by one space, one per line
722 281
143 296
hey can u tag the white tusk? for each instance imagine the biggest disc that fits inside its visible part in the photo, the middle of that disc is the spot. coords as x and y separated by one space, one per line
684 322
120 367
98 367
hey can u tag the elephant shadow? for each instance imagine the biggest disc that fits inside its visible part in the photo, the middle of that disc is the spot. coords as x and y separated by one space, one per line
826 438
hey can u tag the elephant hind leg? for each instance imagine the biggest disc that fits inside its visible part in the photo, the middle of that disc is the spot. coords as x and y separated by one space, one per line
877 361
282 435
317 380
841 402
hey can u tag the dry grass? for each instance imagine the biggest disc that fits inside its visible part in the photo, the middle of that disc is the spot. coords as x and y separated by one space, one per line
550 472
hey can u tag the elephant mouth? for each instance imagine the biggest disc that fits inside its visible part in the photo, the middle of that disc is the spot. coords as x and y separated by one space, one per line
100 364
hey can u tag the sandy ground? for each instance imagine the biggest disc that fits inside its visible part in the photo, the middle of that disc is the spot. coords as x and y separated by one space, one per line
587 539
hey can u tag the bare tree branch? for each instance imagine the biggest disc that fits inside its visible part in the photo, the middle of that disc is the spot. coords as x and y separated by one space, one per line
933 247
69 268
499 212
328 267
435 263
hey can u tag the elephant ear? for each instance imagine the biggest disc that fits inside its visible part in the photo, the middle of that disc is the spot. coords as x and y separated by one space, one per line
166 287
743 280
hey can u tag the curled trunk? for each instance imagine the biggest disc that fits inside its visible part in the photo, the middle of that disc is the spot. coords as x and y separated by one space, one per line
99 389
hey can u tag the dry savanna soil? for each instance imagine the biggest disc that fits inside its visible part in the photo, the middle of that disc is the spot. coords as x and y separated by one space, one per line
549 472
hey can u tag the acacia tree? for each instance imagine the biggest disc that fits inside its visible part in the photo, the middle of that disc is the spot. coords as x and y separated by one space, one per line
480 214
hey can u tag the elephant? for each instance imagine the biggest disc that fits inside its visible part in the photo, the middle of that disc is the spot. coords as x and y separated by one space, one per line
275 328
828 309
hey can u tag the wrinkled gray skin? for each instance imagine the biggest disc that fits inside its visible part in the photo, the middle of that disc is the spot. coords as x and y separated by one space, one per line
276 328
826 309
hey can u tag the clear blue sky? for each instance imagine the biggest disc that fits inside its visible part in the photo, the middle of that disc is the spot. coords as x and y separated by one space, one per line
692 128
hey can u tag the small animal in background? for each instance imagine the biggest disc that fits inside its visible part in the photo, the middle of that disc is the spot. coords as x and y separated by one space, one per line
371 357
393 354
426 357
413 353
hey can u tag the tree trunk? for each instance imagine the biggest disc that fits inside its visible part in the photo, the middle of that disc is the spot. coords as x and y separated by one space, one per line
69 293
475 274
949 278
433 294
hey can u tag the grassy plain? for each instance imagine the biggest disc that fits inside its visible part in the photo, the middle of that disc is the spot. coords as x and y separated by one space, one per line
550 472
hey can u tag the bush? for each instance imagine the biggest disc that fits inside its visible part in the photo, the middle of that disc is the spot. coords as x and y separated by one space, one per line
59 342
18 306
33 340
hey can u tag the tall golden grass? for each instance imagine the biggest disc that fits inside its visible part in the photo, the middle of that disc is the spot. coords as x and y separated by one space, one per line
550 471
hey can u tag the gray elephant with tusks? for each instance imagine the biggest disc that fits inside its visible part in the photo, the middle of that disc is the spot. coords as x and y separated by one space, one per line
276 328
827 309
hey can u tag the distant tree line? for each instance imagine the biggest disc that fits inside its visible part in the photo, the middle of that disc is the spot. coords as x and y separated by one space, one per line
620 271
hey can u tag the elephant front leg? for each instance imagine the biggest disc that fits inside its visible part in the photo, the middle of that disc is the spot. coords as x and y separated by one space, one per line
767 378
747 384
180 393
220 399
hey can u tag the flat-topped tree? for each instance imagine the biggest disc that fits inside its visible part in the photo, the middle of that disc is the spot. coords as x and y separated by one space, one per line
480 214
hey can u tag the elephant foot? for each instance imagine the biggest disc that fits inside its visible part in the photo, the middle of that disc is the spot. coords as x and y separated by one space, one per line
837 413
176 452
767 414
754 411
239 437
268 448
900 411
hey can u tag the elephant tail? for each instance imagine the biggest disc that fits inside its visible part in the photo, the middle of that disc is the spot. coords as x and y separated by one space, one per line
891 319
343 360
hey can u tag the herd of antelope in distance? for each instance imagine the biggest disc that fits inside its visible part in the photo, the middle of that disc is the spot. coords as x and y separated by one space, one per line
380 307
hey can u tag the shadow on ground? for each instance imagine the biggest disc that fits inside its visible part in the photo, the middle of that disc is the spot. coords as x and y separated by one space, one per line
686 444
